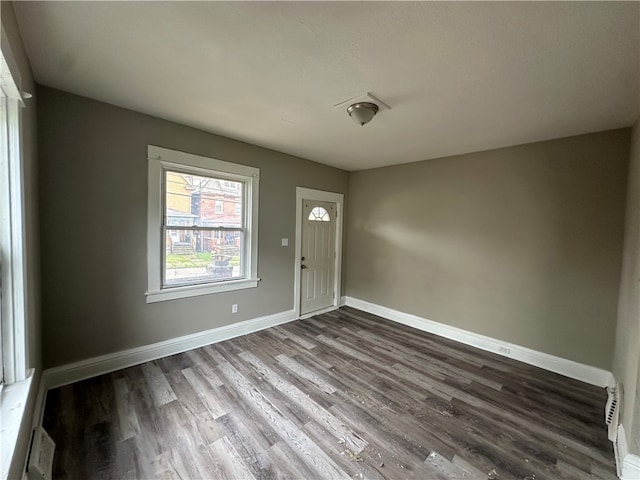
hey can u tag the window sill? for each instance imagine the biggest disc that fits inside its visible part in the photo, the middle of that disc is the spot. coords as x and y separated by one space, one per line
197 290
13 405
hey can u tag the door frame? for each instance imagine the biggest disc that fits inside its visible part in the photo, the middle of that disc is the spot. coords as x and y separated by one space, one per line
322 196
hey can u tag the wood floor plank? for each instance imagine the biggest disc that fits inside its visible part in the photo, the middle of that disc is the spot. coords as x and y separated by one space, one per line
304 372
168 465
297 339
416 358
320 415
199 359
452 471
158 384
206 393
293 468
344 394
311 454
127 418
229 462
351 462
250 443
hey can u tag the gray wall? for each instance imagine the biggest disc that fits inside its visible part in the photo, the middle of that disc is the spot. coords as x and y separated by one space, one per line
93 202
21 71
521 244
626 363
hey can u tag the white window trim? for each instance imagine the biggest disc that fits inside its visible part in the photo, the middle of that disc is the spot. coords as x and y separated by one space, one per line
162 158
12 239
17 381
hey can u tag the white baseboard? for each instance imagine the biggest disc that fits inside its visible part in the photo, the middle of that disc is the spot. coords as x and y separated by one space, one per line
569 368
74 372
628 464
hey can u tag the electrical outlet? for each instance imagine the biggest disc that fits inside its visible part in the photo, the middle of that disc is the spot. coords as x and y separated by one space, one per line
503 349
234 308
285 242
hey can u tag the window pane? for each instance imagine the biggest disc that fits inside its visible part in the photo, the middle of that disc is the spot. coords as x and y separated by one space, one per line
202 256
193 200
319 214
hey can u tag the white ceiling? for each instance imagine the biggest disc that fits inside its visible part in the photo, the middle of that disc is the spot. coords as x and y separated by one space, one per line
459 77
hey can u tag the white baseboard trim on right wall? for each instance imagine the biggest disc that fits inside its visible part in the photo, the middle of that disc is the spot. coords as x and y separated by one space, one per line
628 464
568 368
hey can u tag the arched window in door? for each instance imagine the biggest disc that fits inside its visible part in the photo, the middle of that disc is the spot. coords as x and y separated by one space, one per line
319 214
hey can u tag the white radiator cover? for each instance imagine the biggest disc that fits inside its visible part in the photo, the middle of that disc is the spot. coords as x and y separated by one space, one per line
40 464
611 411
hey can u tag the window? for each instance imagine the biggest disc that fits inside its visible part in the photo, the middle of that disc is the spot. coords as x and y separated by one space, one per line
194 246
12 239
319 214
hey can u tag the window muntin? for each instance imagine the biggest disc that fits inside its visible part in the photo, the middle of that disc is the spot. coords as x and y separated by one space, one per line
194 247
319 214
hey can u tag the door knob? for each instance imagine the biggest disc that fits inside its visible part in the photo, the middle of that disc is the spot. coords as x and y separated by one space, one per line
303 266
302 259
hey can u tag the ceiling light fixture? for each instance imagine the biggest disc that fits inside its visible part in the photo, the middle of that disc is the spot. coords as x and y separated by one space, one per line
362 112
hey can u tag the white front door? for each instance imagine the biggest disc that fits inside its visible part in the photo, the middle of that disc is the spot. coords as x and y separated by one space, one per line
317 276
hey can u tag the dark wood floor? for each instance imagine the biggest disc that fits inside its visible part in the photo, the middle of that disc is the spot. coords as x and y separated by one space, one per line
344 394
